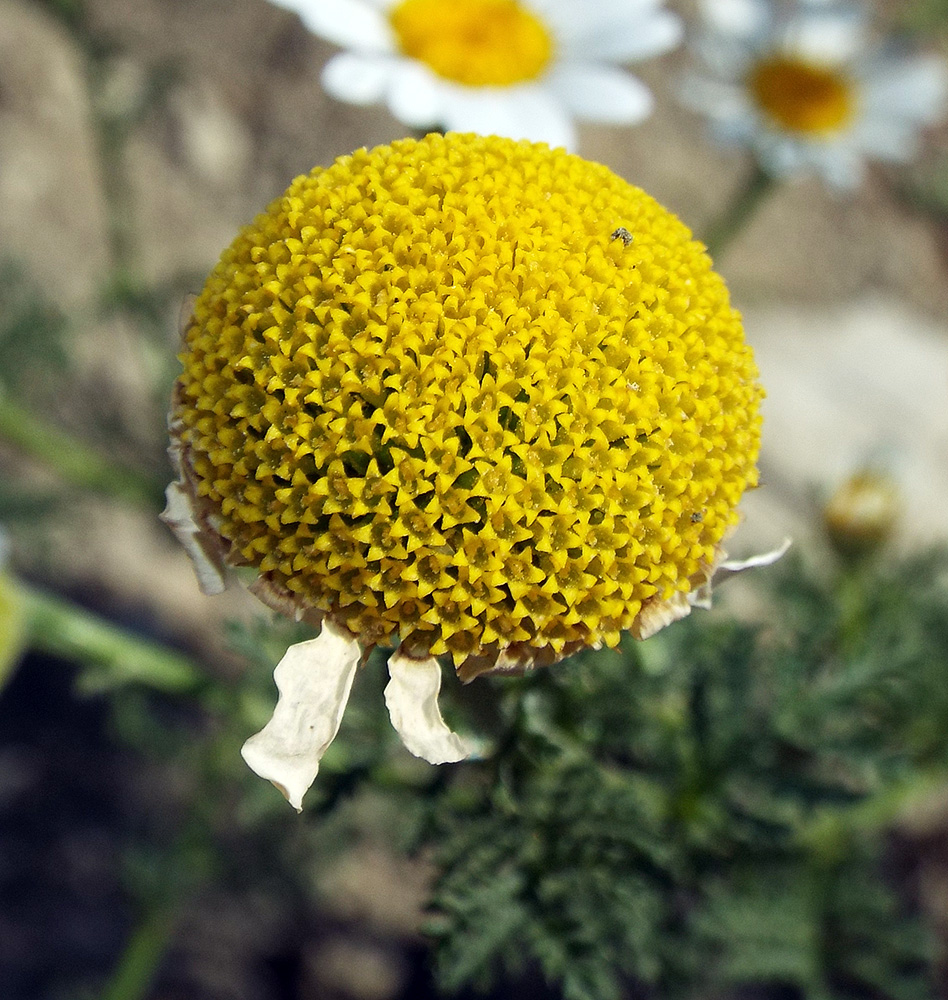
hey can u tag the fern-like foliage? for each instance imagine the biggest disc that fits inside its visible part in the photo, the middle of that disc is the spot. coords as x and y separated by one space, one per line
707 810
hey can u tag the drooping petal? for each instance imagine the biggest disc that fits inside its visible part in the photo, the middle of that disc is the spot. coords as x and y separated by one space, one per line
358 78
180 516
752 562
655 615
314 679
350 24
601 93
412 699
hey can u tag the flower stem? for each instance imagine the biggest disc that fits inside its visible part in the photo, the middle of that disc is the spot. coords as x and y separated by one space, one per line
116 656
74 461
742 208
136 969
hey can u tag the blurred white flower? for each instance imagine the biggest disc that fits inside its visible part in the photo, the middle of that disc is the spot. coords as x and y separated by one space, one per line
805 87
524 69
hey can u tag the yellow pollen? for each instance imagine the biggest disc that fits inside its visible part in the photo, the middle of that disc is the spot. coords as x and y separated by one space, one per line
478 43
468 392
802 97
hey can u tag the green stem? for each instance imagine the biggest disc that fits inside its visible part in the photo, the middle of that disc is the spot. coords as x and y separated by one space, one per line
115 655
74 461
136 969
727 225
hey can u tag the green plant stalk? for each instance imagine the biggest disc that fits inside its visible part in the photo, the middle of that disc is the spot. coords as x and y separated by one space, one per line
138 964
116 656
740 211
73 461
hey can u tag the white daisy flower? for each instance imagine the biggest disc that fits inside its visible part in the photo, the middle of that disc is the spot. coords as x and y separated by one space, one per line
806 88
524 69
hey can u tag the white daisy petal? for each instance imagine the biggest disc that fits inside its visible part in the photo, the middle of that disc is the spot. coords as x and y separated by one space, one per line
412 699
626 39
601 93
521 113
358 78
832 36
742 18
885 139
351 24
915 88
715 98
415 96
841 166
314 679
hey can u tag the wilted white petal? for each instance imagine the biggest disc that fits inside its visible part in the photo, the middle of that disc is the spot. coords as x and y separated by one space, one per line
358 78
601 93
412 699
655 615
179 515
314 679
763 559
351 24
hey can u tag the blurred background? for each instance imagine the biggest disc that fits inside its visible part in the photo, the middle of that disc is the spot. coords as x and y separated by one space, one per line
135 139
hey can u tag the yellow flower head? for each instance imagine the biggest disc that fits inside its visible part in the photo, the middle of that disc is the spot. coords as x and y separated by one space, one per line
476 395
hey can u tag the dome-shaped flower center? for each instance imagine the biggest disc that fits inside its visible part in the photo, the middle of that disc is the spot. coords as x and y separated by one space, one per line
479 43
802 97
468 392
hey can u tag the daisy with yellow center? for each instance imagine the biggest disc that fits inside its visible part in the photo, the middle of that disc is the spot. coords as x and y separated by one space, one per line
520 68
473 397
803 86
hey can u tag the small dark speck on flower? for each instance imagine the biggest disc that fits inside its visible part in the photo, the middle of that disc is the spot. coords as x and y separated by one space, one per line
622 234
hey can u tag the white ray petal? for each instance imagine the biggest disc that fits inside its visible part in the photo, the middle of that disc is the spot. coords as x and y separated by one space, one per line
415 96
358 78
601 93
314 679
886 139
626 39
517 113
179 515
412 699
912 88
742 18
833 36
350 24
761 559
569 20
